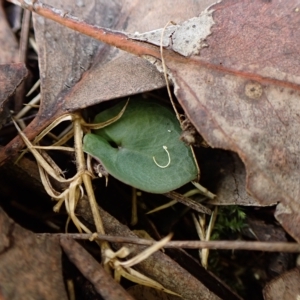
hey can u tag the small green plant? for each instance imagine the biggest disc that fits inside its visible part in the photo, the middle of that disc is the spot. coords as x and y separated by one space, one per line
229 224
142 148
230 221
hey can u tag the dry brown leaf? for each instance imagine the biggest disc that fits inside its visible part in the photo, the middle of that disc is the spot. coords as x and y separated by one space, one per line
230 175
99 83
9 50
284 287
11 75
30 267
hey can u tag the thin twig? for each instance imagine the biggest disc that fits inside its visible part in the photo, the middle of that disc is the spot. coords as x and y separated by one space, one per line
108 36
225 245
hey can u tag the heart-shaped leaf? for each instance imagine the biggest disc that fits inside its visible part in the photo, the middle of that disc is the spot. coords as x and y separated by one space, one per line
143 148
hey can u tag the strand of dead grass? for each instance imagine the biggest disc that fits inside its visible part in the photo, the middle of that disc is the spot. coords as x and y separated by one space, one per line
86 178
161 49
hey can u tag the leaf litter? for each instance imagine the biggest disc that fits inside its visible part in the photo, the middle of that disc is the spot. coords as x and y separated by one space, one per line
209 122
200 88
29 264
11 76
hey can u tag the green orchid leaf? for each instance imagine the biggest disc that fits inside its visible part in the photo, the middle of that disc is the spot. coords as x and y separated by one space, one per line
143 148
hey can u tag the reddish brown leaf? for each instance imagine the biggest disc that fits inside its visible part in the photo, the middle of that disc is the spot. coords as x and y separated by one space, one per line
242 94
30 267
